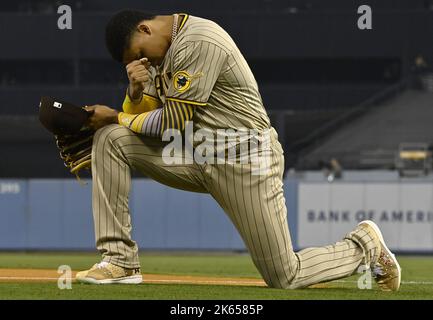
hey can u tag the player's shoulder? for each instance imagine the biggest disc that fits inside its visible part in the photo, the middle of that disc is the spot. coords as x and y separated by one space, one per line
198 29
194 23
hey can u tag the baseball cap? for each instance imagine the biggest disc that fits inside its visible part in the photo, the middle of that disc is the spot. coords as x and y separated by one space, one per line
60 117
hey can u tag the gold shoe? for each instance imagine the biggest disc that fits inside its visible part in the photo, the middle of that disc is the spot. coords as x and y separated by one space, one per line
83 274
386 270
107 273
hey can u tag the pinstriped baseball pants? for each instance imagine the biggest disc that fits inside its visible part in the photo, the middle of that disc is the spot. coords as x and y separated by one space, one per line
254 203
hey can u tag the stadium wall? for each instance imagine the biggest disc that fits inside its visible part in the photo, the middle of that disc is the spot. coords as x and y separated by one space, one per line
55 214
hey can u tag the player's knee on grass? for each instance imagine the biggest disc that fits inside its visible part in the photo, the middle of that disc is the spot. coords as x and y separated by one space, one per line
278 283
278 275
285 284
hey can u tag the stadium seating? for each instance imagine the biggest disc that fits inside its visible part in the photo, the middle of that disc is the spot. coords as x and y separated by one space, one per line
310 70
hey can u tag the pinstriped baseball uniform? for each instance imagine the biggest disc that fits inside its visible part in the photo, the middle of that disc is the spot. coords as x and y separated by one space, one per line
204 68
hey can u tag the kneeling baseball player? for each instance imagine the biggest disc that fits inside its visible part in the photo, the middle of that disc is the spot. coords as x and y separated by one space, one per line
187 70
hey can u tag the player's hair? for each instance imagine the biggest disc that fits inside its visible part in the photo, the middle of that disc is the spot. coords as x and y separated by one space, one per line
120 28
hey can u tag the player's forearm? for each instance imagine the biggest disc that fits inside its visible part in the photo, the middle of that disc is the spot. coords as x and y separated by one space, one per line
143 103
147 123
174 115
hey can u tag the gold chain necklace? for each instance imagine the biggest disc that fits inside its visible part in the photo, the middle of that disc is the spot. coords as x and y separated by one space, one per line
174 31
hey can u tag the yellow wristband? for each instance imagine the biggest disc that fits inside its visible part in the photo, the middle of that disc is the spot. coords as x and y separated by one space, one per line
125 119
146 103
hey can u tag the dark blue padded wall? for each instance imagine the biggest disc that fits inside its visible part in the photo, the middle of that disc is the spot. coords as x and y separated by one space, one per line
57 214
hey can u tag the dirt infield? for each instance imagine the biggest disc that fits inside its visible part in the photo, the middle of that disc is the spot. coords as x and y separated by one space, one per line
44 275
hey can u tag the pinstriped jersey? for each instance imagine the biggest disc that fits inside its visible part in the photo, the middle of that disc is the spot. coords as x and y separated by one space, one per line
149 88
204 67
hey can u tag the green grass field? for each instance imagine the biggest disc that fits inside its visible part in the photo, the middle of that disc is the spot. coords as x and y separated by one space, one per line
417 279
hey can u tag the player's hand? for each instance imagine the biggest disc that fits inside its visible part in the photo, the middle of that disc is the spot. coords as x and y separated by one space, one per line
101 116
138 75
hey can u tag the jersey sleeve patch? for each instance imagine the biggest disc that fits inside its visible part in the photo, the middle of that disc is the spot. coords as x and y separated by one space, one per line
182 80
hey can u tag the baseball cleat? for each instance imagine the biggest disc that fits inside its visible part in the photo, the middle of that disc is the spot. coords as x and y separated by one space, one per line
107 273
386 270
83 274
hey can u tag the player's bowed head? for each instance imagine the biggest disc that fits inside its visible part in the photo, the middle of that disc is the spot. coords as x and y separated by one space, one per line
132 35
138 40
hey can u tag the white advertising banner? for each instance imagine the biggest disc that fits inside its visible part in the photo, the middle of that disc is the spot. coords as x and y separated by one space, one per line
403 211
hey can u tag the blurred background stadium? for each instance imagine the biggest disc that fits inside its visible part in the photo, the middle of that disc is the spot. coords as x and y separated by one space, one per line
353 109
